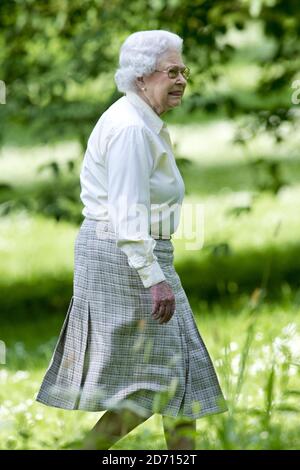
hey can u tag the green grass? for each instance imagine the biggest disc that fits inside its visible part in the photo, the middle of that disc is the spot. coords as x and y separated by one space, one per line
256 353
35 247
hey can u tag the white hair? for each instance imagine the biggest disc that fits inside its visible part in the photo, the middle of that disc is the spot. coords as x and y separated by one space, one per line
140 53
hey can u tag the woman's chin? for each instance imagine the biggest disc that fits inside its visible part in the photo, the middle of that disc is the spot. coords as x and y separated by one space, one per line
174 101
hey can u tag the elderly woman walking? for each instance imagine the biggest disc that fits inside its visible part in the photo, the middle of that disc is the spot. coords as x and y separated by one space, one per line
129 344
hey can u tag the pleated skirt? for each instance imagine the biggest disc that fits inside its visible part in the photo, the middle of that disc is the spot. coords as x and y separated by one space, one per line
112 354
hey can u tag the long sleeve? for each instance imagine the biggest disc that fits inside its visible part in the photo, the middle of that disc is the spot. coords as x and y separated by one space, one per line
129 163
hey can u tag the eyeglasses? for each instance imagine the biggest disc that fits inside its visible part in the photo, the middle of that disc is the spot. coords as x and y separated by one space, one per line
173 72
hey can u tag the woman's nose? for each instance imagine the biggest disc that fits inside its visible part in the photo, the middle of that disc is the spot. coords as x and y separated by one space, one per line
181 79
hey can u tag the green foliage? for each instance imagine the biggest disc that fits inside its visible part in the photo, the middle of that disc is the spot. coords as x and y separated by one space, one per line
50 52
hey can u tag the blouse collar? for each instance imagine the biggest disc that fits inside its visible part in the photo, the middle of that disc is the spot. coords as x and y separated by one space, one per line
152 119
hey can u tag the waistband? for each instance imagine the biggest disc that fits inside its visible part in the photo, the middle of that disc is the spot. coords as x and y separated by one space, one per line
108 227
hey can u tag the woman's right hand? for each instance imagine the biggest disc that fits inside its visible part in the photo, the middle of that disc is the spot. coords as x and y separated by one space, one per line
163 302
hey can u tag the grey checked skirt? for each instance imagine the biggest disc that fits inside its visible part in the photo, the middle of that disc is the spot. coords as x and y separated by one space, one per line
112 354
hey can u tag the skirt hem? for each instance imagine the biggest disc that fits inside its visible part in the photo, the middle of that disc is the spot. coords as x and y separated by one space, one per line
145 411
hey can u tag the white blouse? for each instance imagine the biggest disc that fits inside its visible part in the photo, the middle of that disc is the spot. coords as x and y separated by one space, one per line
129 178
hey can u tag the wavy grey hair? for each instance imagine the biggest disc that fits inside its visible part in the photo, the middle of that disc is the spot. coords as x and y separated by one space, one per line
140 53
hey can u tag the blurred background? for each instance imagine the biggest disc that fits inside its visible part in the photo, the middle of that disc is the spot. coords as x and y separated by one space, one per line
236 140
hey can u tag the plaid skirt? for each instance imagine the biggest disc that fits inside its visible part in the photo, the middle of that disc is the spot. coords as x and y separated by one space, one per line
112 354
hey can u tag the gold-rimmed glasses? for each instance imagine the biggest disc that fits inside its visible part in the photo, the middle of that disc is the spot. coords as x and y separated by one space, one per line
174 71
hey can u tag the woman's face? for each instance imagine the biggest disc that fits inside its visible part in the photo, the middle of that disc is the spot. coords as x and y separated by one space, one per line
161 92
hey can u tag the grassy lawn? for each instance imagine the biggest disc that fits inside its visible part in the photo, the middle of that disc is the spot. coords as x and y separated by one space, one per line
256 353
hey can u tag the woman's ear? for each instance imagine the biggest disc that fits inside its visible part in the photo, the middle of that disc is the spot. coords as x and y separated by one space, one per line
140 83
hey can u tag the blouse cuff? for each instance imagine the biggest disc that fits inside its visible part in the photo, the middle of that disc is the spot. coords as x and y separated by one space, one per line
151 275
